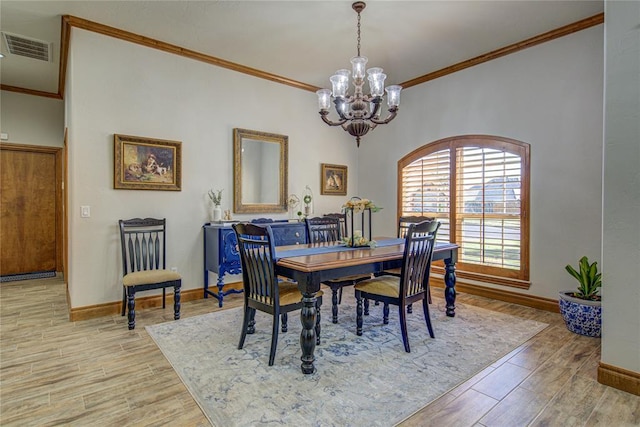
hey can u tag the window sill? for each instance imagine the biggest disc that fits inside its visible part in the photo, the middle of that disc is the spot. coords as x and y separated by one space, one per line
477 277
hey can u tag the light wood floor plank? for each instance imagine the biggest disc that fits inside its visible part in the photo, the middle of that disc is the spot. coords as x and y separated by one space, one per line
517 409
465 410
616 408
501 381
572 405
547 380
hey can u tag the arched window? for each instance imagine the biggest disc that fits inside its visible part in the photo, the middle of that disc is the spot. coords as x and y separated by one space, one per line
477 186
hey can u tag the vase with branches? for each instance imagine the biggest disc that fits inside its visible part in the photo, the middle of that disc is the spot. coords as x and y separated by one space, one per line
216 199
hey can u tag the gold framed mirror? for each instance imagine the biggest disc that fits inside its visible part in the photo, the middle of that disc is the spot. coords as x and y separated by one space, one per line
260 171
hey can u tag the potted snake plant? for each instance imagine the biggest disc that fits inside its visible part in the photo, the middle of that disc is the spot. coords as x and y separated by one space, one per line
581 309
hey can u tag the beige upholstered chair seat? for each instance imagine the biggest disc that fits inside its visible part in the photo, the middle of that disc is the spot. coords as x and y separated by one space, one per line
290 294
149 276
387 286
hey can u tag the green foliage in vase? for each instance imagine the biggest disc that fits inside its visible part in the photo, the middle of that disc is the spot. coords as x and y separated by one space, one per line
590 281
215 196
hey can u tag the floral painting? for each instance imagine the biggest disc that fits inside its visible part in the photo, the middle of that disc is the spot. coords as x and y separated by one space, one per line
147 164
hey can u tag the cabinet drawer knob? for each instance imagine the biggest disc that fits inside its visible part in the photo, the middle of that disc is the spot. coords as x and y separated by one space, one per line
297 234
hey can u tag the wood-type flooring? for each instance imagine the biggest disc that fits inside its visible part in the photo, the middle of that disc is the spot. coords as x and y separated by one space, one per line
97 372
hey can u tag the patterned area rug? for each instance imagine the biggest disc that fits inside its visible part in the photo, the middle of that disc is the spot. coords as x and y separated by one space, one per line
360 381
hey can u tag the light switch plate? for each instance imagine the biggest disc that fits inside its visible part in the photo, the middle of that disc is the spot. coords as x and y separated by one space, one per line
85 211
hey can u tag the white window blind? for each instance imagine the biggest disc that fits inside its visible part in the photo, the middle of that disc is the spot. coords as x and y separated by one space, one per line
426 189
477 187
488 208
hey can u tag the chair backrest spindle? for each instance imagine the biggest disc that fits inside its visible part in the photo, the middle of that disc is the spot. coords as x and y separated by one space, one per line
143 244
323 230
342 218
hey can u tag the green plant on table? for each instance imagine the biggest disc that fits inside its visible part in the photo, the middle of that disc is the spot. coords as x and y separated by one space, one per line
590 281
215 196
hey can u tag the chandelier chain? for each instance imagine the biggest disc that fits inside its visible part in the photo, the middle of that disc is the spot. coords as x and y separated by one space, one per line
358 33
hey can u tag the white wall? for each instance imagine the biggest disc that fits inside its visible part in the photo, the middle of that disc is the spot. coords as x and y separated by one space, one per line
621 203
119 87
549 96
32 120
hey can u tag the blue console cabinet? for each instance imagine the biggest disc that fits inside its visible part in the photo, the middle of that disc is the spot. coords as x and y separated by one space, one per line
221 251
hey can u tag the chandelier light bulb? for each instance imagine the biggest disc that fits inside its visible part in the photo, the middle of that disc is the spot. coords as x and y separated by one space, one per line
376 81
393 95
324 99
359 63
340 85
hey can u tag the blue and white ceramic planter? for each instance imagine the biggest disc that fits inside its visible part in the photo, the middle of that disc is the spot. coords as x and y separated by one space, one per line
583 317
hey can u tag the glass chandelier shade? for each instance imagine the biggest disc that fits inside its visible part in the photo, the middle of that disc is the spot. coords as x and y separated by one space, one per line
358 113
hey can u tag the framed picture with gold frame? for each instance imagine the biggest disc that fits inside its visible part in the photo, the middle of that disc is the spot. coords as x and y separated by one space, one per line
142 163
333 180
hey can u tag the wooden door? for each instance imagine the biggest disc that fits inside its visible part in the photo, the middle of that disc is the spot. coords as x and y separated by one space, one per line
30 219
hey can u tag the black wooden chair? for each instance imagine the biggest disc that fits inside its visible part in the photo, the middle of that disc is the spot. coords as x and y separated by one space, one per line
143 243
405 221
328 230
262 289
403 226
412 285
342 217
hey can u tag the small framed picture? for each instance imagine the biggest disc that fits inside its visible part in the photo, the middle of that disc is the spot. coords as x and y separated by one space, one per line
333 180
146 163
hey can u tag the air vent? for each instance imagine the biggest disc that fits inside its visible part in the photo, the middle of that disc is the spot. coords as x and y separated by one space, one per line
31 48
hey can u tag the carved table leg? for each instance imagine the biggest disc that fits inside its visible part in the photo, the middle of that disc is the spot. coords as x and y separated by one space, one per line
334 305
308 333
450 288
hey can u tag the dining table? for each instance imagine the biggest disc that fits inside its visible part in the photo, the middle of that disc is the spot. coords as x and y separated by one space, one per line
311 264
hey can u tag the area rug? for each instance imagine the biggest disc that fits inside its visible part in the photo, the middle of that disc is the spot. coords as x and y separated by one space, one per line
360 381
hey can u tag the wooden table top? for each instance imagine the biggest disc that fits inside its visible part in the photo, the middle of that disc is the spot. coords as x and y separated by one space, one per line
358 256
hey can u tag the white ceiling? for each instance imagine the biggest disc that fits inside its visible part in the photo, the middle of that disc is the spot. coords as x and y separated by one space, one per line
301 40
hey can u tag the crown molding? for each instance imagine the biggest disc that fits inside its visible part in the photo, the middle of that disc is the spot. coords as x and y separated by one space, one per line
69 21
508 50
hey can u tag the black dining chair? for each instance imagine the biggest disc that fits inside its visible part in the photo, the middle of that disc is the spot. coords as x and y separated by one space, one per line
328 230
403 226
144 254
412 285
263 290
405 221
342 218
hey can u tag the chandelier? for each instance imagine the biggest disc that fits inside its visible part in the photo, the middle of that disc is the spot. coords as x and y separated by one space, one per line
359 113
